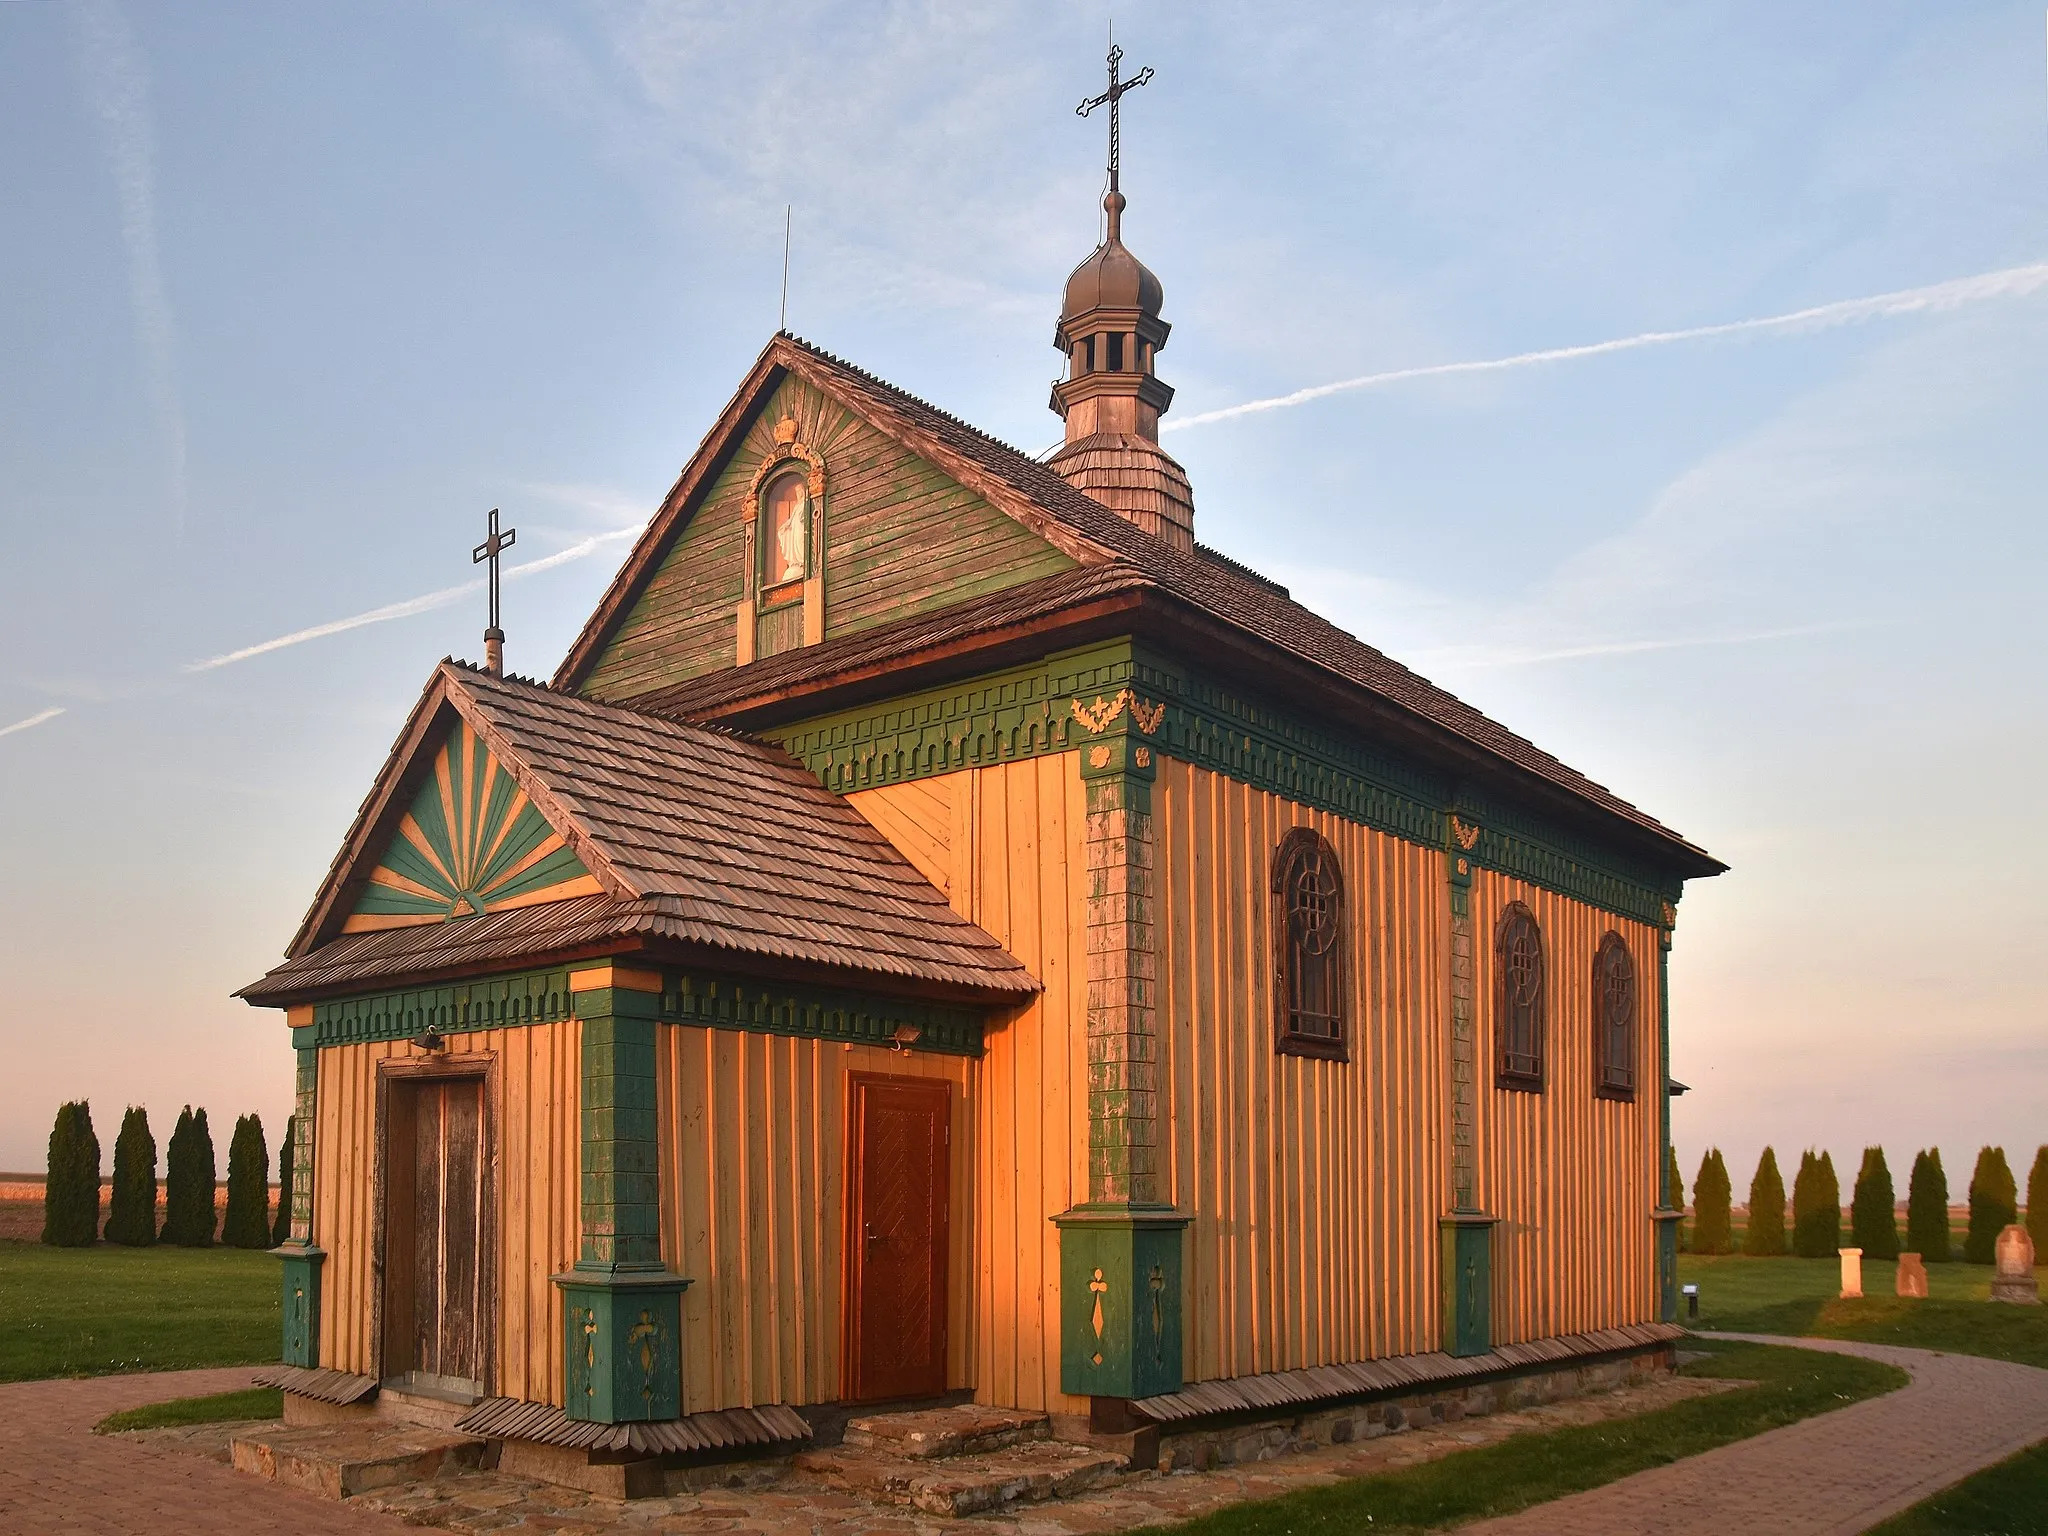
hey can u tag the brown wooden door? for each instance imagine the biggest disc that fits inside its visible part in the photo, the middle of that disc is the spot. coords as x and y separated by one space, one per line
435 1265
897 1190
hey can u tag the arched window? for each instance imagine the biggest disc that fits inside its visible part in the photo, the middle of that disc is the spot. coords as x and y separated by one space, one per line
785 530
1518 998
1614 1019
1308 946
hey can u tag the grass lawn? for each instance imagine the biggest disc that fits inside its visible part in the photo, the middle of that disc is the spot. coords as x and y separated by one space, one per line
221 1408
96 1311
1799 1296
1530 1469
2010 1499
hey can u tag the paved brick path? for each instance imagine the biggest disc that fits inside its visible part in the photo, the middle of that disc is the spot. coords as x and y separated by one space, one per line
1834 1475
1838 1473
57 1478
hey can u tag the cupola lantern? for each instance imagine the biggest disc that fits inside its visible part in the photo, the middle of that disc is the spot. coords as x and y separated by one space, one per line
1111 399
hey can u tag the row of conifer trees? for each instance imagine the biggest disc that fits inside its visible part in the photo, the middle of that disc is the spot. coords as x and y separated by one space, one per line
1815 1229
71 1198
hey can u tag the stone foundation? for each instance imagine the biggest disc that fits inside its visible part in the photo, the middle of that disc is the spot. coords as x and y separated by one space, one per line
1200 1447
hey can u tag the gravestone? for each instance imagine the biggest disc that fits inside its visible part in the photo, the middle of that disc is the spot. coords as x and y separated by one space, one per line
1912 1275
2013 1277
1852 1273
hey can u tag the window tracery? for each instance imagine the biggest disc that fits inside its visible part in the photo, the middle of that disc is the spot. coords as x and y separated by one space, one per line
1309 941
1518 999
1614 1019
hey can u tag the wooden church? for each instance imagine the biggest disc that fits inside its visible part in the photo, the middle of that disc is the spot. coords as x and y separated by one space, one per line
945 934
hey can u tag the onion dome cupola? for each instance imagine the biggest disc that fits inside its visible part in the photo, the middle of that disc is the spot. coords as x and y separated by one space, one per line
1111 400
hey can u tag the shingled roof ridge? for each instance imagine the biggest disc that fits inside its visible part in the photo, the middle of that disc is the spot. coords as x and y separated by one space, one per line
607 706
897 389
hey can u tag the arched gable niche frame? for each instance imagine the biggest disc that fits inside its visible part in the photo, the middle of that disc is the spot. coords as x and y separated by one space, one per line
764 628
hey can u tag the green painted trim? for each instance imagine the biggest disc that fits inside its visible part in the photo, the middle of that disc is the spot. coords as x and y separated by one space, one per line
301 1303
1029 712
1467 1275
717 1002
305 1120
1669 1213
818 1013
621 1167
496 1002
1120 1300
622 1343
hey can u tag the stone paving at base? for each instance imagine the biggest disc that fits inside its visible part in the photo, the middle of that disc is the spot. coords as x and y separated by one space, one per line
1837 1474
57 1478
478 1502
1832 1475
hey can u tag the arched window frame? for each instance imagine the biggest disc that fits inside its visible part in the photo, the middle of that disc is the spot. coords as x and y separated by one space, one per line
1299 973
1617 1001
790 590
1520 1019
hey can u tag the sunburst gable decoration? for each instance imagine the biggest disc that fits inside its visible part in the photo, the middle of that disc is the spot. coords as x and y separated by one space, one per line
471 843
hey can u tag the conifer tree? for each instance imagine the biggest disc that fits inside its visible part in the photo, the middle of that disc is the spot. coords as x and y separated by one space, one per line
1927 1209
1873 1214
1712 1223
1809 1235
1766 1234
2037 1204
1994 1205
283 1227
131 1215
71 1191
247 1222
189 1182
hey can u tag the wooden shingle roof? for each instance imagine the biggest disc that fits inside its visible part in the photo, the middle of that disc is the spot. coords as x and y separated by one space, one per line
1115 557
705 840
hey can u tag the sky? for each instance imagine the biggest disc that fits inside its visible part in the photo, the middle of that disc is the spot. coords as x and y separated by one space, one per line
291 296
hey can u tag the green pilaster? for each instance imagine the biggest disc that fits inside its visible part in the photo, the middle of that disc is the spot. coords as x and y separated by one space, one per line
1668 1214
1467 1269
1120 1251
1120 1286
301 1303
622 1310
300 1257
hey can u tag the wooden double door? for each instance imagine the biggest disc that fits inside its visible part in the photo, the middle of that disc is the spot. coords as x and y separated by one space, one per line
899 1180
437 1230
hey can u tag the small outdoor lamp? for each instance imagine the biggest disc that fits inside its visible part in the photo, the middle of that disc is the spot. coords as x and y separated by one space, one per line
1692 1302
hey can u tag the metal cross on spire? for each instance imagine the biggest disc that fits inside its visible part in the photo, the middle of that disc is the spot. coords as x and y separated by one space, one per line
494 637
1111 98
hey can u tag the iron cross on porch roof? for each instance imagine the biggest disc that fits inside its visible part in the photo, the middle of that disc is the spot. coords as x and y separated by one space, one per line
494 637
1112 97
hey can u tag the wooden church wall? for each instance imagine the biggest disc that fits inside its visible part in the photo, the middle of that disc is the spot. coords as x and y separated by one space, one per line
1572 1177
752 1205
993 840
535 1093
901 539
1316 1185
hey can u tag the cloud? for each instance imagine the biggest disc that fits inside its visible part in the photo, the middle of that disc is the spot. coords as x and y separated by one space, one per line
31 722
425 603
1469 659
117 86
2008 283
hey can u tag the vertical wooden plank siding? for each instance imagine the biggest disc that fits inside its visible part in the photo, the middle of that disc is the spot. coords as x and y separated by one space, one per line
1315 1185
1006 844
1572 1177
535 1101
753 1153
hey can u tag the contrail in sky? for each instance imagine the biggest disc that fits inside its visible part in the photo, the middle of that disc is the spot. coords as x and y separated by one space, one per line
31 722
2011 283
119 90
425 603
